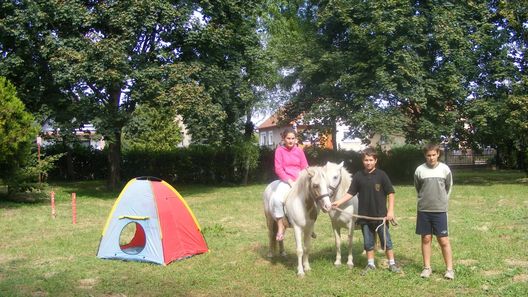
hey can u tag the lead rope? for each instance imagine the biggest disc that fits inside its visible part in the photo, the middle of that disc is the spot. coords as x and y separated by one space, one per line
384 221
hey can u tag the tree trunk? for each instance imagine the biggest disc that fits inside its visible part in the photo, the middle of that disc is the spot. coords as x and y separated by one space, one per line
498 158
114 147
114 161
334 137
249 127
248 134
70 173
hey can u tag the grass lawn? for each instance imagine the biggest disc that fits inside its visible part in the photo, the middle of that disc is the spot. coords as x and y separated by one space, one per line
42 256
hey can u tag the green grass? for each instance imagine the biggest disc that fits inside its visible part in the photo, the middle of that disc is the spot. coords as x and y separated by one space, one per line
41 256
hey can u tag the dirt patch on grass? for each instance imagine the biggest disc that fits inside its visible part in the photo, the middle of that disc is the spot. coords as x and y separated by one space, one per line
87 283
467 262
482 228
489 273
517 263
521 278
6 259
39 294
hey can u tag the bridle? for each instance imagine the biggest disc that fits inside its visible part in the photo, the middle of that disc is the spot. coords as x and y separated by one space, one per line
334 188
317 198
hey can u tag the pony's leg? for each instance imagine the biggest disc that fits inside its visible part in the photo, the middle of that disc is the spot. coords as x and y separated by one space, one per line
337 237
299 249
282 252
271 237
350 262
306 248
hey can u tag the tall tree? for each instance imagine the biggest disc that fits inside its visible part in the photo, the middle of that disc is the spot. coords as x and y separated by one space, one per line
498 110
95 60
412 67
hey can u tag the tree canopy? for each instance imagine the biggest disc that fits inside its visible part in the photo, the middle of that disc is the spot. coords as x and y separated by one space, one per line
428 70
94 61
451 71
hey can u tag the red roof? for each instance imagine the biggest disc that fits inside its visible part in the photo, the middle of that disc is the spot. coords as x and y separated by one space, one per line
269 122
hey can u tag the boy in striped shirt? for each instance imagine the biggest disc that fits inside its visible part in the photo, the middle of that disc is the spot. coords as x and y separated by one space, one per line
433 182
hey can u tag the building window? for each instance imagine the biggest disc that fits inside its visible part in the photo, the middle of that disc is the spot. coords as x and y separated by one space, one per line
262 140
270 138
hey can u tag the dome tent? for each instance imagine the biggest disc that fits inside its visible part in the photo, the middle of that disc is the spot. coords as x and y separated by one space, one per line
158 221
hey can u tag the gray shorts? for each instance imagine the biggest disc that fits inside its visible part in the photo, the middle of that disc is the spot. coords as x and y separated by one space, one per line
432 223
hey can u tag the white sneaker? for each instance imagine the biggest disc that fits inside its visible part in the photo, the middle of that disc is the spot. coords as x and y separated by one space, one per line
426 272
449 274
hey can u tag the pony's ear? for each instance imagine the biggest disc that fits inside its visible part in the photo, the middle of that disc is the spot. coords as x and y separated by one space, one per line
341 164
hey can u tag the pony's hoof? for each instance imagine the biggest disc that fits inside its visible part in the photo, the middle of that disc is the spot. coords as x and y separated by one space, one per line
350 266
337 264
300 274
283 254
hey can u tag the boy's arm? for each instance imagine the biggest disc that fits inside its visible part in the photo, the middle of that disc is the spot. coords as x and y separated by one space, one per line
390 208
417 181
343 199
449 184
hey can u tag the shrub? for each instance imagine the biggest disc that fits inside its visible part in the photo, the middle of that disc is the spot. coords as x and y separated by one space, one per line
17 130
401 162
77 162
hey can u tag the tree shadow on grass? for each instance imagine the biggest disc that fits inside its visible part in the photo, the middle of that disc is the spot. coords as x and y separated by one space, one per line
100 190
327 254
84 189
489 177
22 199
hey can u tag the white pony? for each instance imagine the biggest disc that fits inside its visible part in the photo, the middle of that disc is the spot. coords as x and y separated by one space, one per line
339 181
303 201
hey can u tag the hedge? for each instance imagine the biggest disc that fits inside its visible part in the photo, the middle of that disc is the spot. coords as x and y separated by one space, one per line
218 165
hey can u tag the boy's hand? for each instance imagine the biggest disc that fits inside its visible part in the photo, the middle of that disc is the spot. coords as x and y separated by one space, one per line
336 204
390 216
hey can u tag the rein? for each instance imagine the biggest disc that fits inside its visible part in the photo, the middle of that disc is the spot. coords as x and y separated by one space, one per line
383 219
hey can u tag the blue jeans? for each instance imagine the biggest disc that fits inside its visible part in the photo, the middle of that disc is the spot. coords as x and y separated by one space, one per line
369 231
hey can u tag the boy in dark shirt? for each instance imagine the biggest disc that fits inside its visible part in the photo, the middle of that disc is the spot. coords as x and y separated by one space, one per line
373 187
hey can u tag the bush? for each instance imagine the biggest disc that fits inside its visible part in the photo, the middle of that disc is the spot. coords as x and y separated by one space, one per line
227 165
401 162
195 164
77 162
17 130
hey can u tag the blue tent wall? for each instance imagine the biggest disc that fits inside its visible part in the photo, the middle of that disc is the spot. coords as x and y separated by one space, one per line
135 200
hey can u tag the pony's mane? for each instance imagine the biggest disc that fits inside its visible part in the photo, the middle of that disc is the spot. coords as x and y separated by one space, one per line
346 180
301 188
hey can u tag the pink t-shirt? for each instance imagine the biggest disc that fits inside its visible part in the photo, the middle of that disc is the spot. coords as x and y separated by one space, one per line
288 163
